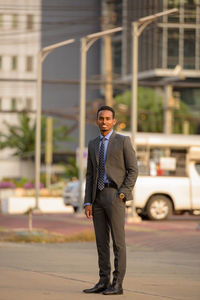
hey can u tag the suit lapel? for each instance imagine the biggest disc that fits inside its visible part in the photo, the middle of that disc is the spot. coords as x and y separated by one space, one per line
96 149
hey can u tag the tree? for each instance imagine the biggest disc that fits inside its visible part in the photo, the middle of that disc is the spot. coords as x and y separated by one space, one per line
150 111
181 115
21 137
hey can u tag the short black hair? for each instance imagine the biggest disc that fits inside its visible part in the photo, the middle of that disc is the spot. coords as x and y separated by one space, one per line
106 107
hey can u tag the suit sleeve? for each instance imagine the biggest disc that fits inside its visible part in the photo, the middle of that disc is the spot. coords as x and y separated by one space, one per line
131 168
89 178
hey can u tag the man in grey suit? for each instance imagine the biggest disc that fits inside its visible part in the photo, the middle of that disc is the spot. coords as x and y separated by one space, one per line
111 175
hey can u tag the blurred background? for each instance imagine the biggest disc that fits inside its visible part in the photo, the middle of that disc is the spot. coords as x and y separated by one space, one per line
168 92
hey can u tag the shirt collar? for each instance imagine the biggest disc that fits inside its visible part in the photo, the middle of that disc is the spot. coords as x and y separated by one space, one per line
107 136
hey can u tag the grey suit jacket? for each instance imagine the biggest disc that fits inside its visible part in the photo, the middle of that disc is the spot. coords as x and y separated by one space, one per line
121 166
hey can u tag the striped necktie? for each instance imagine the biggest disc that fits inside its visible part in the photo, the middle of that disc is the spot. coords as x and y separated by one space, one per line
101 165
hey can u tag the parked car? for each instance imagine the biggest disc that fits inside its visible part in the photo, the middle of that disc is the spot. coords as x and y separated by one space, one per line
71 194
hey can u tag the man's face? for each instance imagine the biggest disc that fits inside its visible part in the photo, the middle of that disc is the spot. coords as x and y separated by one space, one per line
105 121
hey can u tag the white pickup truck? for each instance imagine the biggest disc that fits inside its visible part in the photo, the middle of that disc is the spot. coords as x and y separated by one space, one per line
157 197
175 187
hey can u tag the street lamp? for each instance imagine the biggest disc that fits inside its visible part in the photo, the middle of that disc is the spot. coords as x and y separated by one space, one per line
86 43
41 57
169 103
137 28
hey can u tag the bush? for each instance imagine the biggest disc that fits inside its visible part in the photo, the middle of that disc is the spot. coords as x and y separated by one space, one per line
7 185
30 185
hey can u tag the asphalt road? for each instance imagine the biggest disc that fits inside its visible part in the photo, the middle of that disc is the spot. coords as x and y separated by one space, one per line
163 261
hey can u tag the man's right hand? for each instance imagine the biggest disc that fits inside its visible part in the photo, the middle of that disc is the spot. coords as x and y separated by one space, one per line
88 211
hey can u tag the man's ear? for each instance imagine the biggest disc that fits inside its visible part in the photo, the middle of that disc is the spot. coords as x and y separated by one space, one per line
114 122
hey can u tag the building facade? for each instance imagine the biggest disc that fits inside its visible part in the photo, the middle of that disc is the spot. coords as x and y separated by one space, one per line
169 48
170 44
25 28
20 36
173 39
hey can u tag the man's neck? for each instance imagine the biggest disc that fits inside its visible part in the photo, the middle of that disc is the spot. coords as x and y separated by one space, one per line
105 133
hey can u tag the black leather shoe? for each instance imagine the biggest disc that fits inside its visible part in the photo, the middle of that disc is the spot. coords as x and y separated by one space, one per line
114 290
98 288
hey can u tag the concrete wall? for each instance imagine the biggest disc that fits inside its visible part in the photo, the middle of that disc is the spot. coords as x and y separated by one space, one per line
17 205
15 168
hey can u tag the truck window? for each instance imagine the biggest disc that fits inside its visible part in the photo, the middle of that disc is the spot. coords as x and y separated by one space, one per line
198 167
149 161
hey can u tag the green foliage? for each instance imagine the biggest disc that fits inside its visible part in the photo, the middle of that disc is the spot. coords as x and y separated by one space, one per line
43 178
122 107
60 133
44 236
180 116
21 137
21 182
150 111
71 169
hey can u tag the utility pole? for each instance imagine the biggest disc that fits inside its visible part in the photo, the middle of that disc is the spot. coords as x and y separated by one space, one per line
137 28
168 109
171 101
43 53
108 23
108 68
86 43
48 149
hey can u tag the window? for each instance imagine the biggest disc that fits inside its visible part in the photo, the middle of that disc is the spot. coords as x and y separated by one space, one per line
14 21
14 63
29 63
173 47
197 165
189 49
29 103
117 51
173 18
158 51
13 104
190 11
29 22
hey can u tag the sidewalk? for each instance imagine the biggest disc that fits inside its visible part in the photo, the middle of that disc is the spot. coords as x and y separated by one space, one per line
62 271
163 261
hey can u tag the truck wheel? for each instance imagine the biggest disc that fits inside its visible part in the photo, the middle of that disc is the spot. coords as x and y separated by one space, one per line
159 207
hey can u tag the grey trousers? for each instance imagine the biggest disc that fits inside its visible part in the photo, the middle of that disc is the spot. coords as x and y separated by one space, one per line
109 216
